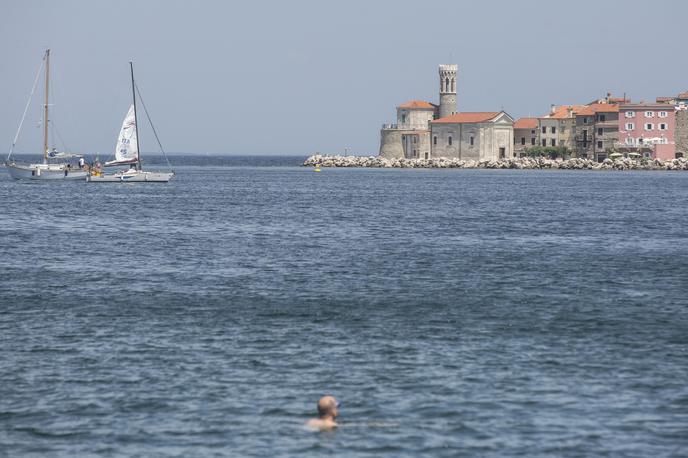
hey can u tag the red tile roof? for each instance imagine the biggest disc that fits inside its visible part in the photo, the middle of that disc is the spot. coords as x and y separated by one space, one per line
526 123
562 111
593 108
468 117
683 95
418 104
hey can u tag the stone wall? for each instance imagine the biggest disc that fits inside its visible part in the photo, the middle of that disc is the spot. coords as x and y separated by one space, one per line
399 143
530 137
390 144
414 119
681 132
472 141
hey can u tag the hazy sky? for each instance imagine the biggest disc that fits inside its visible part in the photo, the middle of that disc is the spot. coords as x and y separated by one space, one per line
303 76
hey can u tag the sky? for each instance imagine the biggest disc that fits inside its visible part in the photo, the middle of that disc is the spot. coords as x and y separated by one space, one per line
298 77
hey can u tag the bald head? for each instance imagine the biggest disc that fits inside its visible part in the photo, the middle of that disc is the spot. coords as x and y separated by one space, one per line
327 407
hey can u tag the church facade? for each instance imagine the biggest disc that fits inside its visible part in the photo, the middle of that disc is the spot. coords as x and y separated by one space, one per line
424 130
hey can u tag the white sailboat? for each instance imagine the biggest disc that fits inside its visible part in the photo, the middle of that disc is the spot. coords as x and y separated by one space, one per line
127 152
55 165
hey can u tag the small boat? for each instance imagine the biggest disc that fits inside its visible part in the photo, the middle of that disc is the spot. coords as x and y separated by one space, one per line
55 165
127 152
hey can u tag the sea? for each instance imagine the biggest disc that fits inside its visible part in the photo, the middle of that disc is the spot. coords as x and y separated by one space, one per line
487 313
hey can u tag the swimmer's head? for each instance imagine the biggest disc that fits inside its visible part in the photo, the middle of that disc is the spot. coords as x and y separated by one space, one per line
327 407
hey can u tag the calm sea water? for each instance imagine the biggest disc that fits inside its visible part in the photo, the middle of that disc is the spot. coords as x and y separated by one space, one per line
453 312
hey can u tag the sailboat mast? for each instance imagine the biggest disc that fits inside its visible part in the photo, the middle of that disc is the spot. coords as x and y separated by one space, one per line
45 107
136 119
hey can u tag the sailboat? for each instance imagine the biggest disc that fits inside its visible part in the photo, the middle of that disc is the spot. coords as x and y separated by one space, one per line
127 151
55 165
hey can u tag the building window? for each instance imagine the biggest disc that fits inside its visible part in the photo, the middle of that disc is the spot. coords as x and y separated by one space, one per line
471 140
415 139
434 140
553 142
662 126
585 120
554 130
403 118
544 129
449 141
630 126
649 126
523 140
544 142
532 132
662 114
415 153
599 144
649 114
630 114
532 141
629 141
601 118
599 131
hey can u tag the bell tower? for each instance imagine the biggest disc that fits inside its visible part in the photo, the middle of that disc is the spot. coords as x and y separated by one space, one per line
448 89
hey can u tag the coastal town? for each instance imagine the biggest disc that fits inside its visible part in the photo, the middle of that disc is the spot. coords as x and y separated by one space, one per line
602 133
608 127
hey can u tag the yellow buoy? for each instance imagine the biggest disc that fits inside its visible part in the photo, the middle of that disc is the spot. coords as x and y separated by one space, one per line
317 169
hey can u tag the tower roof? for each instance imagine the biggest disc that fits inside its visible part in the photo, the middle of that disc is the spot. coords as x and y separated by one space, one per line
418 104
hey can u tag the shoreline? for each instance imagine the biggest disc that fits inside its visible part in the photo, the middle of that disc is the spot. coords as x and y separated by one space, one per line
522 163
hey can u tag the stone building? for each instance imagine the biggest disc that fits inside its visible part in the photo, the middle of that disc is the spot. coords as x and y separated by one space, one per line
597 130
680 104
448 89
525 135
473 136
478 136
558 128
681 133
410 136
647 129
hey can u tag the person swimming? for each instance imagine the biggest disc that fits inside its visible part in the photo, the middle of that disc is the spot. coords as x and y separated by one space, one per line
327 414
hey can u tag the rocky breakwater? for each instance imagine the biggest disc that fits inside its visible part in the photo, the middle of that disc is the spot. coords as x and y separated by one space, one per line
319 160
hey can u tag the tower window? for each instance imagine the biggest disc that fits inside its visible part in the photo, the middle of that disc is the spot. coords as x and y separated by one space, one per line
449 141
453 87
446 85
434 140
471 139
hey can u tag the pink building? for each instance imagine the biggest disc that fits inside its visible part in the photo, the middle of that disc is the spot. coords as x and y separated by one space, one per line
648 129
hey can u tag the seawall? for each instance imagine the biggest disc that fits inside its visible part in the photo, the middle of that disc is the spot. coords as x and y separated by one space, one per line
515 163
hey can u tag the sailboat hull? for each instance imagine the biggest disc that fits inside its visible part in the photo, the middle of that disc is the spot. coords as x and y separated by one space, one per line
44 172
132 177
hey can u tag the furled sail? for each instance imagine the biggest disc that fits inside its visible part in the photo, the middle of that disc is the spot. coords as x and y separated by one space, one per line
126 151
